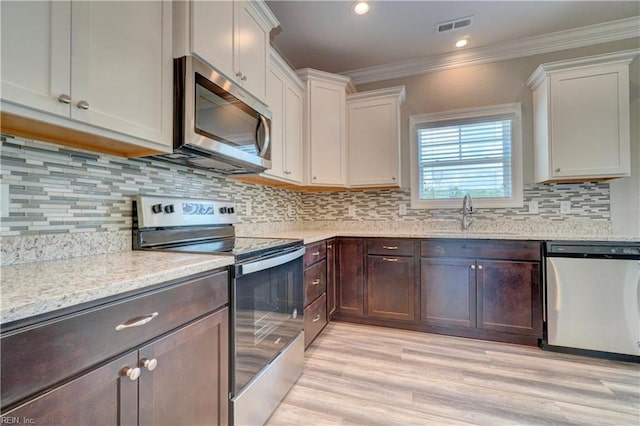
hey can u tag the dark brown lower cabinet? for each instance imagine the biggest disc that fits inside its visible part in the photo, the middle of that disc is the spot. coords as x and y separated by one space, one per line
350 260
485 289
102 396
391 287
183 380
509 296
159 357
331 278
448 293
189 384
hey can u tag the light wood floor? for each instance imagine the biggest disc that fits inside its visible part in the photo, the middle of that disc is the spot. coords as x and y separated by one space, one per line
365 375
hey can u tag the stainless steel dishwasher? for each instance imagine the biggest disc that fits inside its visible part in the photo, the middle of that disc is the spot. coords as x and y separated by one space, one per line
593 297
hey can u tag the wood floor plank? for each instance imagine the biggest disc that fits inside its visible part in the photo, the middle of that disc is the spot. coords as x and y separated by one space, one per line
365 375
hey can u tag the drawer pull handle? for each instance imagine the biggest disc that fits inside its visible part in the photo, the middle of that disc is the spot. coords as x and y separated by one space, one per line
317 318
390 259
149 364
316 282
131 373
136 322
316 253
390 247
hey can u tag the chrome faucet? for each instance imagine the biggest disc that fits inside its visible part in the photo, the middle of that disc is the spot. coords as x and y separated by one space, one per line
467 211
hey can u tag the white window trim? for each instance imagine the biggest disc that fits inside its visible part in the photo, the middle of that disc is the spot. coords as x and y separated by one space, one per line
516 199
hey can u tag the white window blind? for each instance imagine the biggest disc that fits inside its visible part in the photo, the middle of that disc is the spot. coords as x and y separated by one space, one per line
470 155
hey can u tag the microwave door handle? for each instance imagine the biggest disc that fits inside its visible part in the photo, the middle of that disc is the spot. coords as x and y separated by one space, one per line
262 150
261 265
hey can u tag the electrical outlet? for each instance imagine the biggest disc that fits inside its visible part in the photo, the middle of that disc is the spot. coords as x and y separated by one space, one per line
533 207
247 208
402 209
351 210
565 207
4 200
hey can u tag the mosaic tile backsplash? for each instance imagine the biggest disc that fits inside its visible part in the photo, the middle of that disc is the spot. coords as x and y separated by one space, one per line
57 190
588 201
53 189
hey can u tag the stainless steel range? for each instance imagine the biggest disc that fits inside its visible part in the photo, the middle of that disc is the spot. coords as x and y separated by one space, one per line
267 341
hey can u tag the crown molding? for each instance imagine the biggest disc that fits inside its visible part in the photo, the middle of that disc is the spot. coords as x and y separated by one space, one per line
620 29
621 57
396 91
307 73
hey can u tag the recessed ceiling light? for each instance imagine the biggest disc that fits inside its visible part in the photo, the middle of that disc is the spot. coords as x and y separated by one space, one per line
360 7
462 42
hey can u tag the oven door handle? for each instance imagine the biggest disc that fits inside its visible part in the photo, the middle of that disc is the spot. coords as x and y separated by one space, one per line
261 265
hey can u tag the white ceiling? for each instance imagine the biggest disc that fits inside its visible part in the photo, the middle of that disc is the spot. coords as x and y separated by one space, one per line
327 36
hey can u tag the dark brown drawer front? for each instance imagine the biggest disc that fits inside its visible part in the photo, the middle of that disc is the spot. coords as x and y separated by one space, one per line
390 247
43 355
315 318
495 249
315 253
315 282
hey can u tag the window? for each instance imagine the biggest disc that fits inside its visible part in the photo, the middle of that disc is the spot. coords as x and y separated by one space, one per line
477 150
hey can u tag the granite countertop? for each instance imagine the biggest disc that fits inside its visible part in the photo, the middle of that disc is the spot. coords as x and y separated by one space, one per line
312 236
36 288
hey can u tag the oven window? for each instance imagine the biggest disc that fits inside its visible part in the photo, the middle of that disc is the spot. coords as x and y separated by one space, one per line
222 117
268 314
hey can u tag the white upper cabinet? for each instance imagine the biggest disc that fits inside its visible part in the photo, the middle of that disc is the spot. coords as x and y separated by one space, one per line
285 100
373 137
232 36
103 68
581 118
325 129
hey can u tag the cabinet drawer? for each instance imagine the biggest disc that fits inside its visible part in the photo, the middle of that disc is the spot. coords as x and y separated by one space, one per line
315 282
496 249
315 253
40 356
315 318
390 247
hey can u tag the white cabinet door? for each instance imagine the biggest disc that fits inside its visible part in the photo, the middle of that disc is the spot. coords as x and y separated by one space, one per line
276 86
251 49
121 67
36 54
589 131
326 133
581 118
212 33
293 133
374 142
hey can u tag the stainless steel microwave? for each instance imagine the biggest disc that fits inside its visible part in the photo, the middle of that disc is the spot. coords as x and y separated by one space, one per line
218 125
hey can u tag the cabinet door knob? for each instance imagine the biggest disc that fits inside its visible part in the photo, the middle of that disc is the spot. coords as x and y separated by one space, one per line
243 78
314 178
473 266
64 99
239 74
557 170
149 364
131 373
83 105
480 267
393 178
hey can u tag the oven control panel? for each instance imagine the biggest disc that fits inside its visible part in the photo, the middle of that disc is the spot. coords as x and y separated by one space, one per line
153 212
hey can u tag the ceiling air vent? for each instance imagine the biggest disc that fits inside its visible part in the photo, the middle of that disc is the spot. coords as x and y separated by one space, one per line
453 25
